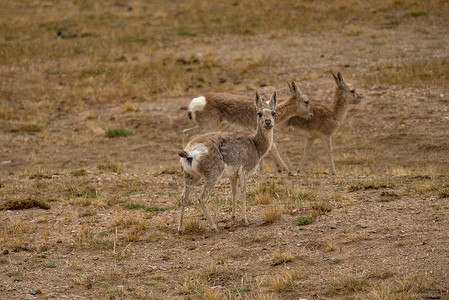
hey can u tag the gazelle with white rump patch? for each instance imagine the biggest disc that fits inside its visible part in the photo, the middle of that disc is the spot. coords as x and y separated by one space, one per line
215 155
217 111
325 121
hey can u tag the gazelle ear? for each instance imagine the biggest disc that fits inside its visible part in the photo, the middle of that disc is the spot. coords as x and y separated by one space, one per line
258 102
340 79
273 100
335 77
290 88
295 91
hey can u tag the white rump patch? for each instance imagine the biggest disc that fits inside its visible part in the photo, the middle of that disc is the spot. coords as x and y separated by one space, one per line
197 104
195 151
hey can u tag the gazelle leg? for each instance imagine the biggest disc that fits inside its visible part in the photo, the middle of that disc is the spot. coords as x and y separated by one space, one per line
328 143
188 185
280 164
243 177
208 186
309 143
234 194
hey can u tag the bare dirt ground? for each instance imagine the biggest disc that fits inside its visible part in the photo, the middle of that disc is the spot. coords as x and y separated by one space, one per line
85 216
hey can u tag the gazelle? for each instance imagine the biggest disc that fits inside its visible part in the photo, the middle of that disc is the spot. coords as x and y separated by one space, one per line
325 121
218 111
215 155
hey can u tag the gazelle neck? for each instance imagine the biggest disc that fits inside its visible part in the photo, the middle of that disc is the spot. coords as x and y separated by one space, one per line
285 110
263 138
340 104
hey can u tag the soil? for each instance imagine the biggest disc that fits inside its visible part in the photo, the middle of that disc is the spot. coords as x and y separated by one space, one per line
397 135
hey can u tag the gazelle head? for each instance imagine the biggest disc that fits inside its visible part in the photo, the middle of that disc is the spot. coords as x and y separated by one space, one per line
266 112
303 108
349 92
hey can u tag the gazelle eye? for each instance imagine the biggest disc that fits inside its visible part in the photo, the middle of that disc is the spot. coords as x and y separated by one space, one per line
259 114
306 102
353 91
273 113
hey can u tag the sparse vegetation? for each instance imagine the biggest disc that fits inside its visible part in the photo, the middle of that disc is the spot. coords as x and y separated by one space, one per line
283 281
120 132
147 208
279 258
110 167
271 214
80 172
304 220
87 215
319 208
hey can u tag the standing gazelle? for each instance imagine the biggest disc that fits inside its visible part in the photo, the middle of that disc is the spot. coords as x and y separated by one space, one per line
217 111
325 121
214 155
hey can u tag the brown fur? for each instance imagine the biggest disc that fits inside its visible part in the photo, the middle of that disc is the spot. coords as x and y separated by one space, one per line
223 110
233 155
325 121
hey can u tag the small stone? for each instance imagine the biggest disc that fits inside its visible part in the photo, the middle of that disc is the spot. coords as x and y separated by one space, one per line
217 287
333 227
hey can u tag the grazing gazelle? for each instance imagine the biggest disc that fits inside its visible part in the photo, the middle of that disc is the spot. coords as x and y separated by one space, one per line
215 155
325 121
217 111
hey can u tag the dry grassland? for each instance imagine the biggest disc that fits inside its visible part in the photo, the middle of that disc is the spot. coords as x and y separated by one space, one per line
93 98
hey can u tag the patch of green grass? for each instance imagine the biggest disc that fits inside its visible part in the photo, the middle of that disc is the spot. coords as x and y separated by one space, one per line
92 72
80 172
301 221
185 32
109 167
87 192
53 72
147 208
50 265
119 132
416 14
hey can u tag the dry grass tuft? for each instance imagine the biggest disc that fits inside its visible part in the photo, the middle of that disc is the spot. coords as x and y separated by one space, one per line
347 285
12 236
17 204
279 258
255 237
192 226
283 281
330 246
415 283
319 208
418 73
272 213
